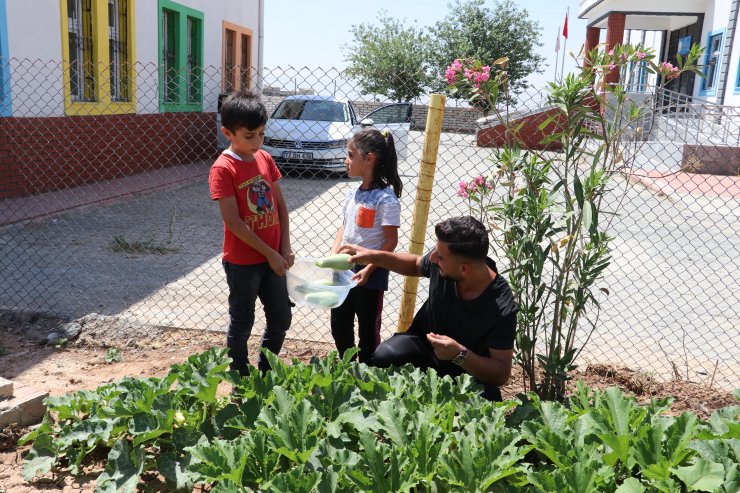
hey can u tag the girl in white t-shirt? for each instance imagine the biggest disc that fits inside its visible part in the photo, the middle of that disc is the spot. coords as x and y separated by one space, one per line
371 217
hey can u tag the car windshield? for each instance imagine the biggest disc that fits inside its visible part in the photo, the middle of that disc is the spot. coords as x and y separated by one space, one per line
315 110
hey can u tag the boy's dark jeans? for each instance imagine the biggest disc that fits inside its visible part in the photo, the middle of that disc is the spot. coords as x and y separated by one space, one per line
246 283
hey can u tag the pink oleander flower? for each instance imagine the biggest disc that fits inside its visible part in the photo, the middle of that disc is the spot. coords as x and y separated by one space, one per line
481 77
640 55
489 185
612 66
469 74
479 181
452 70
669 71
462 189
610 52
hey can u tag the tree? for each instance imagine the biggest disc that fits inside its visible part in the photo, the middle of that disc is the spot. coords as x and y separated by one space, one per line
389 59
473 31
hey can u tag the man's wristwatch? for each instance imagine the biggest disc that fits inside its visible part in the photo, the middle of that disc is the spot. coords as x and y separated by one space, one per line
459 360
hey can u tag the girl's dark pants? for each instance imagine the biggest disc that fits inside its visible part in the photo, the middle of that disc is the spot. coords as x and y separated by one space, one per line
246 284
367 305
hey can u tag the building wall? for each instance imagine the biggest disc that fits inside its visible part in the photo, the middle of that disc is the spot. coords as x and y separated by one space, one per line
35 44
27 167
36 154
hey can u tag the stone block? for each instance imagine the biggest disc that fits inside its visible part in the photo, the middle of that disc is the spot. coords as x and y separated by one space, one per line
25 408
6 388
711 160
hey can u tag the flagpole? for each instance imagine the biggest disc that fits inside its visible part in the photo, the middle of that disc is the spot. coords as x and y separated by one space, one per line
557 54
565 43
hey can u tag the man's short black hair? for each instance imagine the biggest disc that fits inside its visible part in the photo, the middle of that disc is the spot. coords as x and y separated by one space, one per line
243 109
465 236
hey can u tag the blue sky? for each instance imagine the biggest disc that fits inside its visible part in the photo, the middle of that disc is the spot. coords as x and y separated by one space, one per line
310 34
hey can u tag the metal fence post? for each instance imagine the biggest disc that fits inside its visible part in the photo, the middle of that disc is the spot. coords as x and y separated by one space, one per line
432 134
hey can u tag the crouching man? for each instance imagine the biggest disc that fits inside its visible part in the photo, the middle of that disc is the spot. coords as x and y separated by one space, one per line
468 322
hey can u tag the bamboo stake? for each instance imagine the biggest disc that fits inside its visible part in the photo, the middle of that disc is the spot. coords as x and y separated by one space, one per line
428 165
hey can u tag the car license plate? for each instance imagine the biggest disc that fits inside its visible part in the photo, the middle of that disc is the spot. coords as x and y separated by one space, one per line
297 155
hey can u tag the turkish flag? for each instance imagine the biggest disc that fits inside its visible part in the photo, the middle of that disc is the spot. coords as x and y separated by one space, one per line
565 26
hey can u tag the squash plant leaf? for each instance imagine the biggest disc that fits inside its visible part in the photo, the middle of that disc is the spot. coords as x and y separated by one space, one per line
394 423
123 469
174 471
296 425
229 486
296 480
725 422
200 375
40 459
474 464
219 460
702 475
631 485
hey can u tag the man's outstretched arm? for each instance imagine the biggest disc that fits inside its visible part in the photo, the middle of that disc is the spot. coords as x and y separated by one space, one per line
406 264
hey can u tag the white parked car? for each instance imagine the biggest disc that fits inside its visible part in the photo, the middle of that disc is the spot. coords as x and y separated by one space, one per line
311 131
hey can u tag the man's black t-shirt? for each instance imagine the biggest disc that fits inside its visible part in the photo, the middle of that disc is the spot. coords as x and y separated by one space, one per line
489 321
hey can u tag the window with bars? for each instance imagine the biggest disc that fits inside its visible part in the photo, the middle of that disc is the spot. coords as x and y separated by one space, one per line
236 57
713 62
181 57
244 71
229 61
118 49
194 60
169 55
80 36
99 79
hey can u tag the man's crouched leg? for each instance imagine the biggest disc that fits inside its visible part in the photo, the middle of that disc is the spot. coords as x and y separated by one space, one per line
402 349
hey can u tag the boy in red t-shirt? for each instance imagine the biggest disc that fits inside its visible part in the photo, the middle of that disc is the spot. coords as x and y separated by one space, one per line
257 252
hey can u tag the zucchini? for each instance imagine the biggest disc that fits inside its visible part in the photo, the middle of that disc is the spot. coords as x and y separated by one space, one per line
340 261
314 286
326 299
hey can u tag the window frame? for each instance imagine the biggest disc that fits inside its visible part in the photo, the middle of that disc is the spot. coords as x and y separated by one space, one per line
712 91
6 100
240 77
101 100
187 80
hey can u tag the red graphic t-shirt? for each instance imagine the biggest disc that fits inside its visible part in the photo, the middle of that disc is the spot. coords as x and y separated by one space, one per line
251 182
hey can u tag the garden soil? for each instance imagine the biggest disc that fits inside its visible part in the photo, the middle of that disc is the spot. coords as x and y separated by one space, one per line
27 358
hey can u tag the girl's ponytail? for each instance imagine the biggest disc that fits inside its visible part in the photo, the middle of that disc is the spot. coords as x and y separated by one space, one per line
383 146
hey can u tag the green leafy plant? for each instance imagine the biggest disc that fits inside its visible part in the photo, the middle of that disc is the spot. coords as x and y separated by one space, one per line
150 244
334 425
544 209
60 343
113 355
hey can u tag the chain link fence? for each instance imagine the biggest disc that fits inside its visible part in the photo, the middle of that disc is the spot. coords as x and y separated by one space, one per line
105 209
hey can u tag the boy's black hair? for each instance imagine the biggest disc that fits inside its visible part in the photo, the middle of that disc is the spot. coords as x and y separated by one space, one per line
386 160
465 236
243 109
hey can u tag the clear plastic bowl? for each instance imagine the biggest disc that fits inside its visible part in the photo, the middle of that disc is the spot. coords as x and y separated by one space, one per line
309 285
